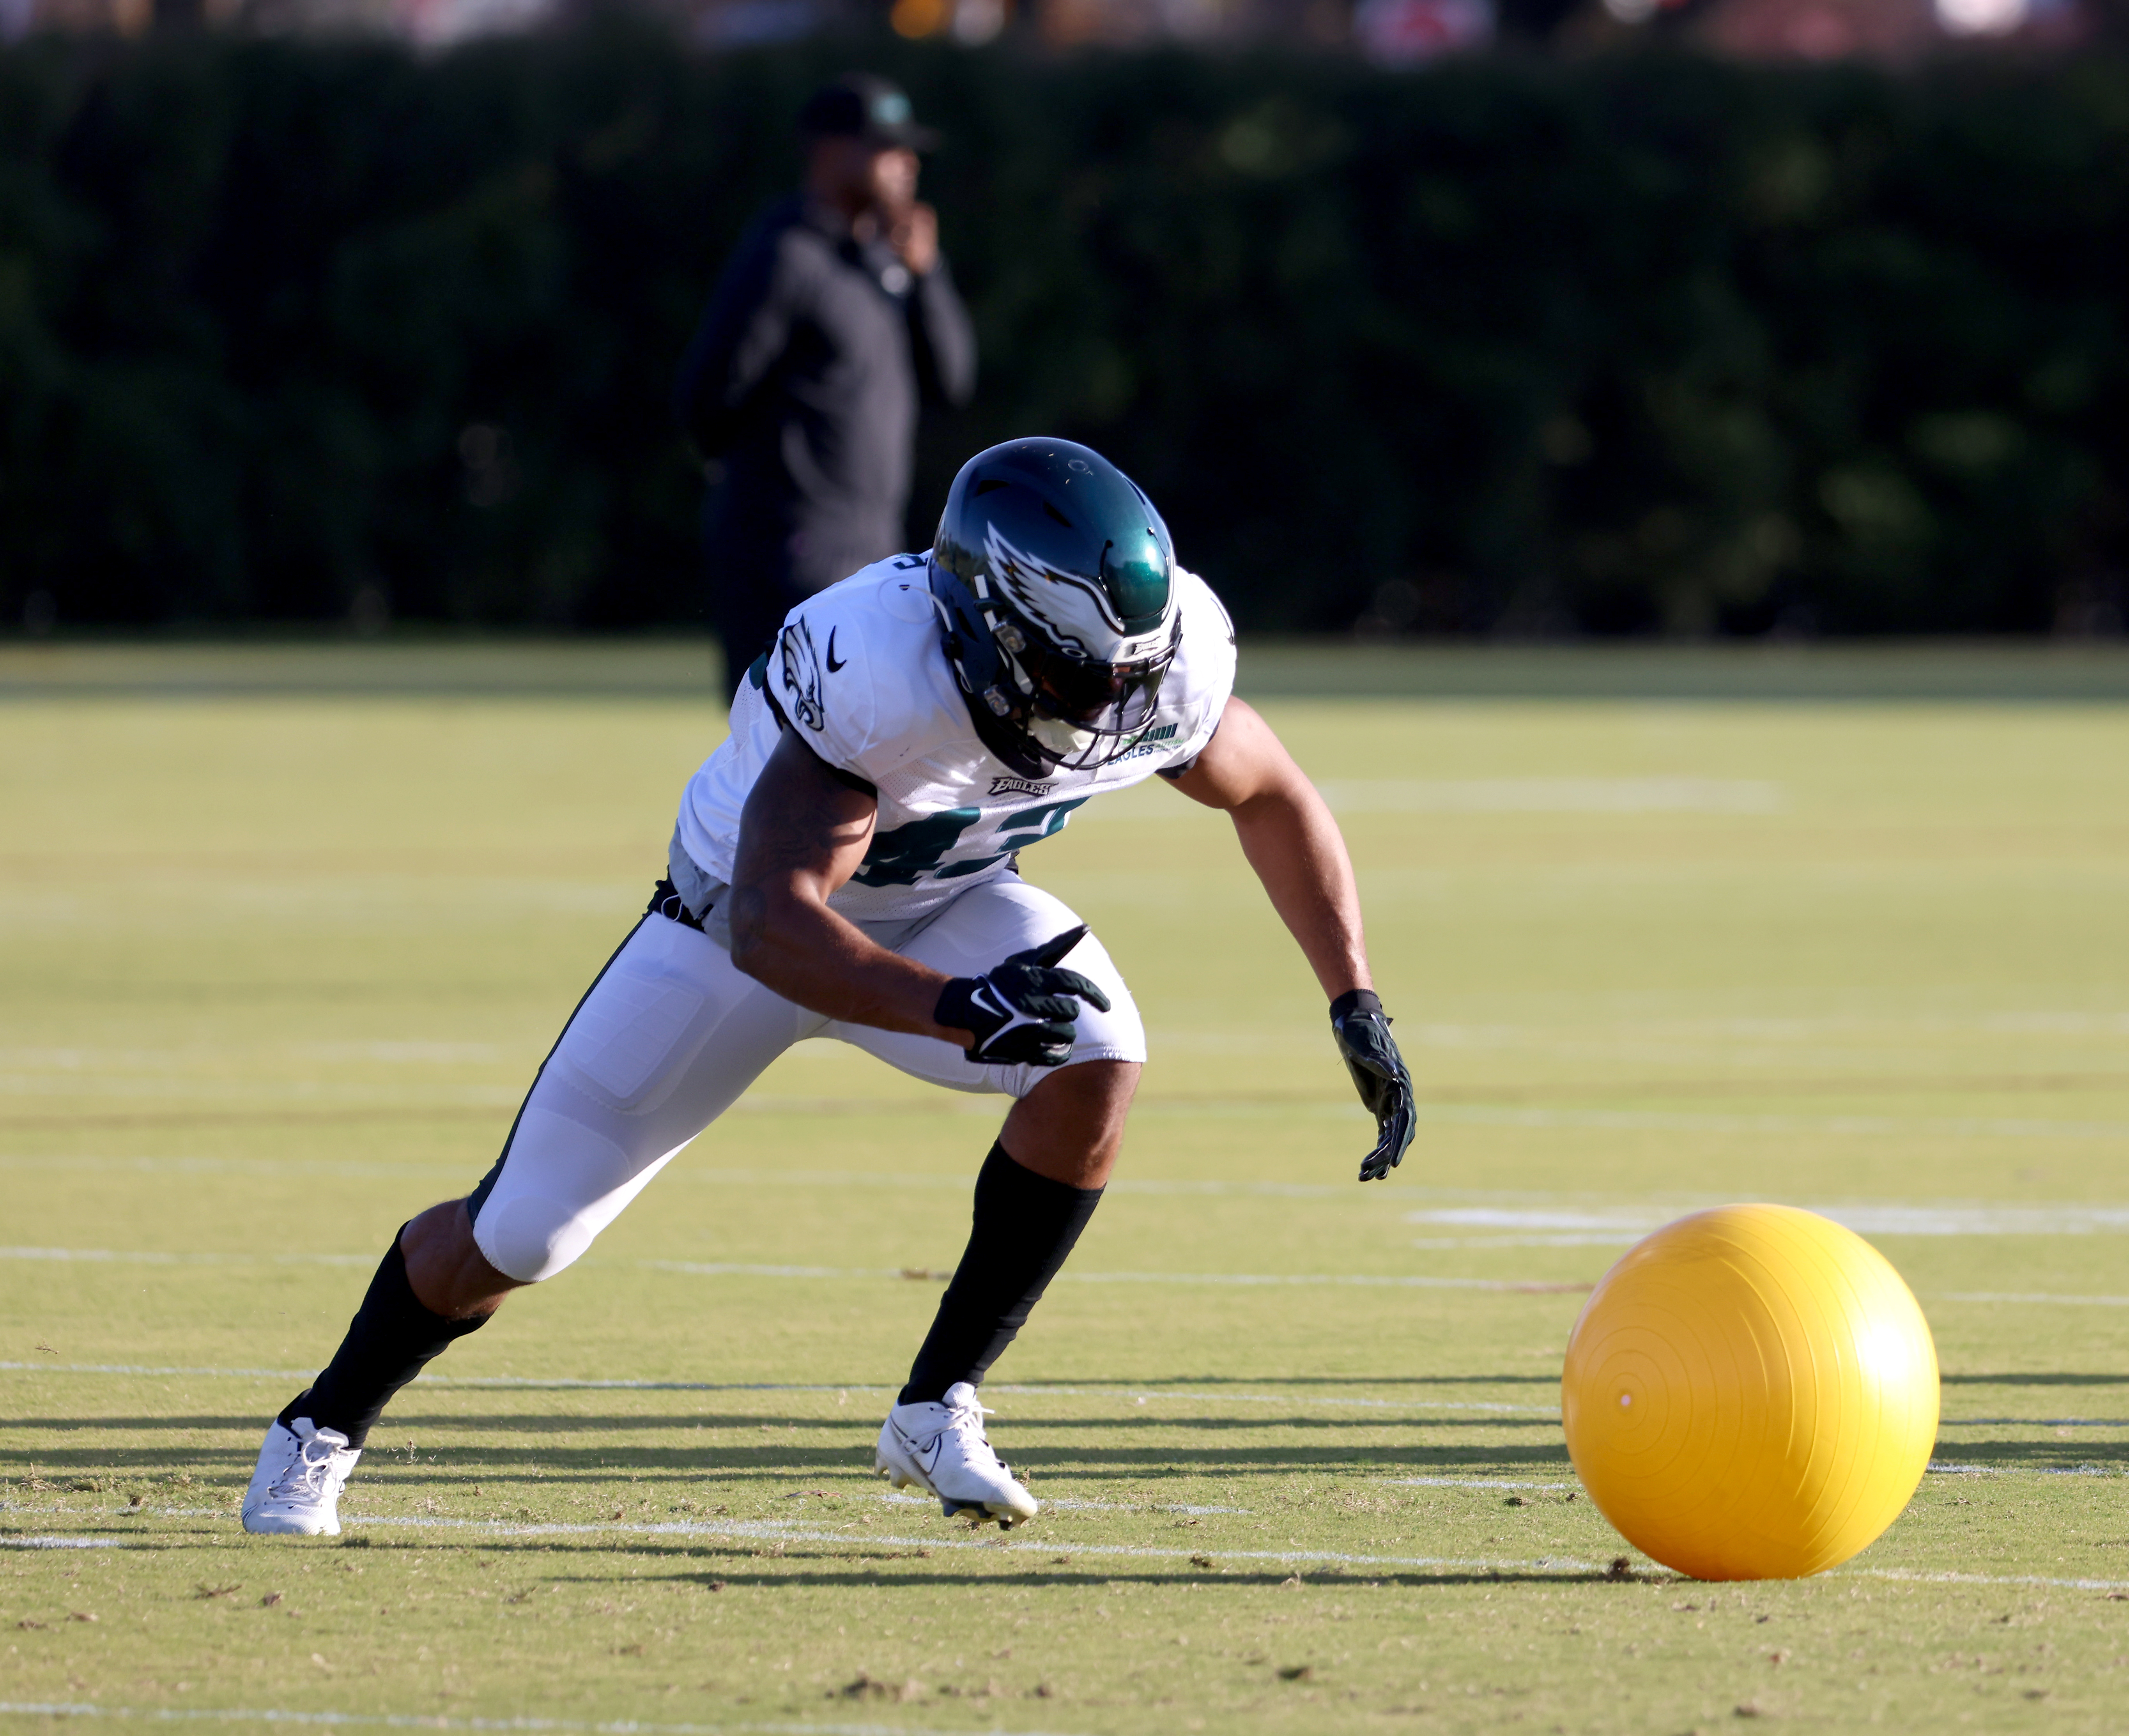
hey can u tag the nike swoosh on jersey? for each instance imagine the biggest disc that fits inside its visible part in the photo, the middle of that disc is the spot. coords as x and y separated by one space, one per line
833 663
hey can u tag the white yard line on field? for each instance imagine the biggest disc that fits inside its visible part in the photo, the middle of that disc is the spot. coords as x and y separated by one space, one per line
793 1531
1523 1210
729 1269
703 1268
513 1382
1919 1575
1623 1238
1630 1223
2068 1301
231 1374
1658 1120
1639 1121
439 1721
1052 1503
960 1183
810 1179
1552 796
784 1531
1954 1467
1135 1396
504 1382
231 1166
61 1543
1414 1281
1671 794
1394 1280
149 1257
1139 1395
781 1531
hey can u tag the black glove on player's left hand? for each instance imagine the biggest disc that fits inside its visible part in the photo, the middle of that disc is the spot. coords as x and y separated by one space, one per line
1020 1012
1371 1054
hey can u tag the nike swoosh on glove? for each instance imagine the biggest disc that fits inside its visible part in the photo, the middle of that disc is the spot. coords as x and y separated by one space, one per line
1021 1011
1370 1053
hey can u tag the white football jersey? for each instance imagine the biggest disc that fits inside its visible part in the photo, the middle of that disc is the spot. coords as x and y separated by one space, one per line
860 673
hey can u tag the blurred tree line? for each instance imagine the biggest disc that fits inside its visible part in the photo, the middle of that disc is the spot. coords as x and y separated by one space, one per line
294 330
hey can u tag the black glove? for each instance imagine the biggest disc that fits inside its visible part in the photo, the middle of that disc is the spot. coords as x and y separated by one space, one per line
1370 1053
1021 1011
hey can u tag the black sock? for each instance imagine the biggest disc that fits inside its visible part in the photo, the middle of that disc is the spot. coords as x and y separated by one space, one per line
1024 1226
389 1341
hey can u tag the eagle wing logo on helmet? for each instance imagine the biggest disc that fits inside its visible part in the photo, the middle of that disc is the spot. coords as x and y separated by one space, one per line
1026 582
801 677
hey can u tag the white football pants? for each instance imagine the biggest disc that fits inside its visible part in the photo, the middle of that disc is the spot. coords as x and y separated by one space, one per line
672 1032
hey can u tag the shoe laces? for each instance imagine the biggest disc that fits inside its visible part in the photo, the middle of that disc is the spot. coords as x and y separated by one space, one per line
305 1476
966 1424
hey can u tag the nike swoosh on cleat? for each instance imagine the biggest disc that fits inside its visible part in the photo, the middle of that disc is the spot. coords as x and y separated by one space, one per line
832 664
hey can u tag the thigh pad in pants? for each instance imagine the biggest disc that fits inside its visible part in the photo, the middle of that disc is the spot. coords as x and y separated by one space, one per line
663 1044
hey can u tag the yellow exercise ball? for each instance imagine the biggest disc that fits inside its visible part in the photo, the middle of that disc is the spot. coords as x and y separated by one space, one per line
1751 1393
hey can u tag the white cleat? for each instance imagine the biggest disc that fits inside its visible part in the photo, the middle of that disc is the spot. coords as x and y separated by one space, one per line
295 1491
940 1449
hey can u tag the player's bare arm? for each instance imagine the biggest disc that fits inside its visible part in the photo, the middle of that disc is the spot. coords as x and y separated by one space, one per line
1291 841
1294 846
803 834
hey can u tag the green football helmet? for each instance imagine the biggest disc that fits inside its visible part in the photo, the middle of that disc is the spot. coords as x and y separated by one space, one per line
1053 579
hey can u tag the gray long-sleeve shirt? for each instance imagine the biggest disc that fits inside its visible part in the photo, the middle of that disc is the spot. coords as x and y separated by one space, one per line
805 379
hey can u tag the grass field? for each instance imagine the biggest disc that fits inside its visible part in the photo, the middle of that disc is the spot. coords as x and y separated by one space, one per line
276 966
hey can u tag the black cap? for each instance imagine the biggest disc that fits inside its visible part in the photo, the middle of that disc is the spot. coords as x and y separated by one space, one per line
858 106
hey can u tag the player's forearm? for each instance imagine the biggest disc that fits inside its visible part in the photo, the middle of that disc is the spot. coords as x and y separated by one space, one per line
803 834
1295 847
806 952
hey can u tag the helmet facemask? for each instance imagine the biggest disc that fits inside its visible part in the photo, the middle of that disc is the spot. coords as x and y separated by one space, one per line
1076 713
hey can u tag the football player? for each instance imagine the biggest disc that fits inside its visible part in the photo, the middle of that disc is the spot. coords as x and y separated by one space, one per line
846 865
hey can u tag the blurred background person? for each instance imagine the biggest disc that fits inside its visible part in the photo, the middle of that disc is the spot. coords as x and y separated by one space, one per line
834 321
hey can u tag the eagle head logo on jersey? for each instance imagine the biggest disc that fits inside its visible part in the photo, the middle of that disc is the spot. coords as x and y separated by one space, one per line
802 676
1053 579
